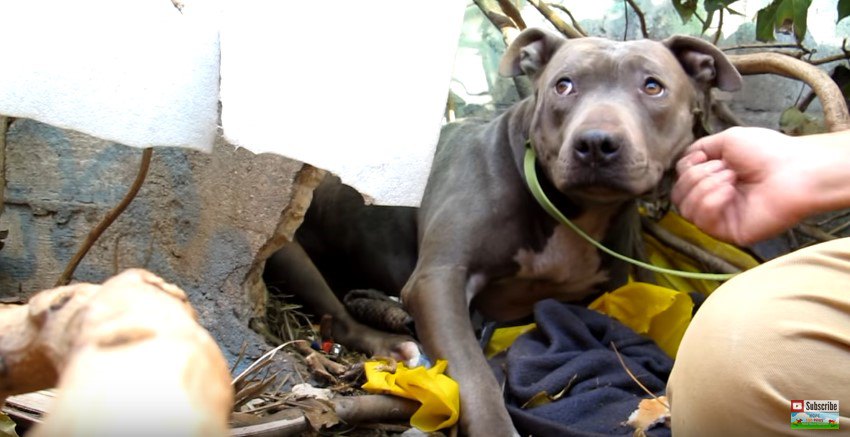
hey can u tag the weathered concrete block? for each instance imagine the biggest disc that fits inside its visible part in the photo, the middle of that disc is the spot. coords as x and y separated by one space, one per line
204 222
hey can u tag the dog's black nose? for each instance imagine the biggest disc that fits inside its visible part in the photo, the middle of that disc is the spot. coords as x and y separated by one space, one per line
596 146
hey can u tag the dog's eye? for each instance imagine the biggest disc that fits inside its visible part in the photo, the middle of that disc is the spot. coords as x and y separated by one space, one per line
653 87
564 86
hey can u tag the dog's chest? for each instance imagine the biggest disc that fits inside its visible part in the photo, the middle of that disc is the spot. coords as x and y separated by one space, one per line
566 268
567 263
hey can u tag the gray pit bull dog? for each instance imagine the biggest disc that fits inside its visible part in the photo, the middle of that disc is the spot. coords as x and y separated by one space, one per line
607 121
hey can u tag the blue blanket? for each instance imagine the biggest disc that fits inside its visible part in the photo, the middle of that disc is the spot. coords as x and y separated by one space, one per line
572 348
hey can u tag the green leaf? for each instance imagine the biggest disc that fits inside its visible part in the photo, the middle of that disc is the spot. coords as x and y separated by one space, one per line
843 9
783 14
712 6
685 8
734 12
707 22
796 123
715 5
764 22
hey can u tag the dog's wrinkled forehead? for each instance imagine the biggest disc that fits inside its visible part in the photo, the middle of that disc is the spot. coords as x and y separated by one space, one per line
601 60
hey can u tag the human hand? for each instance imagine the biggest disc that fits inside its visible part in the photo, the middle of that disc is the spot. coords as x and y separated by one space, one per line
743 185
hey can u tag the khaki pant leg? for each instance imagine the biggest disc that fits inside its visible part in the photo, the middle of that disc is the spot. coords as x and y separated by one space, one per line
778 332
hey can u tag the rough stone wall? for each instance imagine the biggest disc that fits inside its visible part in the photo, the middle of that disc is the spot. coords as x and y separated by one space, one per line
200 220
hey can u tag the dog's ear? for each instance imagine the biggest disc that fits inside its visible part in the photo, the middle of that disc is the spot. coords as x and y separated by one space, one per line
704 62
529 53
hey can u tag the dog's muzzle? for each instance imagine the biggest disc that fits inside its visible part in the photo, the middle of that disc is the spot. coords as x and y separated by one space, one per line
597 148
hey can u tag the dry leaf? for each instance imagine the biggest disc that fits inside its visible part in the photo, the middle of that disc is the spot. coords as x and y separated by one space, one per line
543 398
320 414
650 412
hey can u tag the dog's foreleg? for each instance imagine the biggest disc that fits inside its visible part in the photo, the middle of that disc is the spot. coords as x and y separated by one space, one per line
437 302
292 270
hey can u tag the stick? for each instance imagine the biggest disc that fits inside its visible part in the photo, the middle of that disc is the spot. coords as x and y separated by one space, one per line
351 410
709 260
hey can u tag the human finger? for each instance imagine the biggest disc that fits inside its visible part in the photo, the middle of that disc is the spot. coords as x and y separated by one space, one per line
712 146
692 176
689 160
707 197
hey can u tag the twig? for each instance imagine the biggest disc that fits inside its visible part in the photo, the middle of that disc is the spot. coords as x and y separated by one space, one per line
239 357
839 228
253 390
806 101
723 113
331 366
549 14
641 17
710 261
511 11
258 364
108 219
835 117
828 59
719 29
626 21
814 232
575 22
502 22
764 46
839 215
634 378
283 382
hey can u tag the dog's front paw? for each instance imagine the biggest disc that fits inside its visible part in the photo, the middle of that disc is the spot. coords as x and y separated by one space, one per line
410 353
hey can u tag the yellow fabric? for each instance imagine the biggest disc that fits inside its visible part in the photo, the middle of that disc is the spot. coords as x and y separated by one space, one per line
438 394
657 312
503 338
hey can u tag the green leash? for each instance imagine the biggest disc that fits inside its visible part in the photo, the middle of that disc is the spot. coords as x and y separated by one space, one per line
537 192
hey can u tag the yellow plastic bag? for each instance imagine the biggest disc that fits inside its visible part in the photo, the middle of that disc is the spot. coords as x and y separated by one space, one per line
660 313
503 338
438 394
